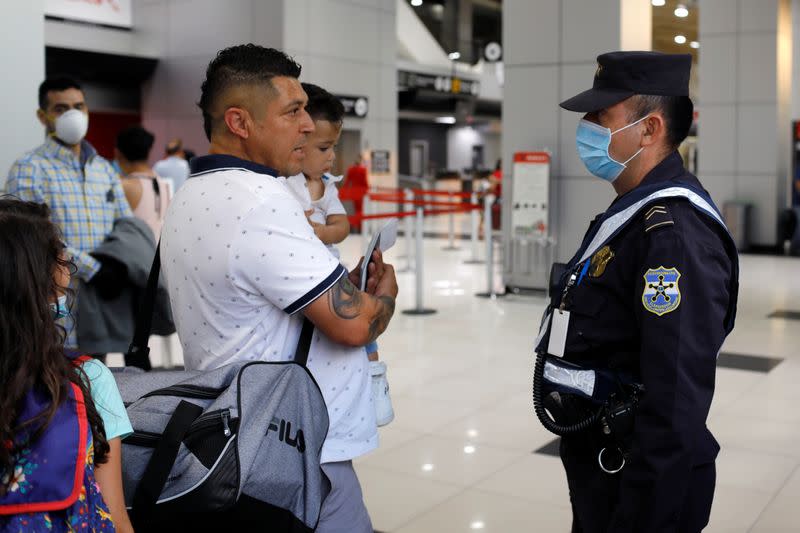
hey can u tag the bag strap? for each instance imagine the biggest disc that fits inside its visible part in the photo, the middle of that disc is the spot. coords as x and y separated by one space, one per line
166 451
138 353
614 221
78 361
77 358
304 344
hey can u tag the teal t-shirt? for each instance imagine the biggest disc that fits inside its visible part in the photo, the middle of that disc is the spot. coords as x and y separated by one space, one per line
107 400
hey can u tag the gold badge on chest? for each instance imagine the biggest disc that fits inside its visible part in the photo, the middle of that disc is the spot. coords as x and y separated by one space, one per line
599 261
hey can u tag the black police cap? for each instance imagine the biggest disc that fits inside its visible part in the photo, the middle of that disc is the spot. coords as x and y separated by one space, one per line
621 75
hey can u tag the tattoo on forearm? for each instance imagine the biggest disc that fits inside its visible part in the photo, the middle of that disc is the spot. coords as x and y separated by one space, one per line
345 299
347 302
381 320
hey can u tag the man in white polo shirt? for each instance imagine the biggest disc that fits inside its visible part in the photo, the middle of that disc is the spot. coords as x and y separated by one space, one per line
243 265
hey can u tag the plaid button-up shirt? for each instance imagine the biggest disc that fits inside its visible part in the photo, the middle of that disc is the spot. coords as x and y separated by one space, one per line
85 196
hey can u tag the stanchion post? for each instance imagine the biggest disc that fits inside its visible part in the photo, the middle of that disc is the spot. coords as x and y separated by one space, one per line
474 228
451 226
409 230
487 232
487 237
366 224
419 309
401 207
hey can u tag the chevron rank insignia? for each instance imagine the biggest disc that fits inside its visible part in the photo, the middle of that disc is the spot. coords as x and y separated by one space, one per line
657 216
661 294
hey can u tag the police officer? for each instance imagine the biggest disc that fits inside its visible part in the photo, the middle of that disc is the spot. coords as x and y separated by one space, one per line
649 296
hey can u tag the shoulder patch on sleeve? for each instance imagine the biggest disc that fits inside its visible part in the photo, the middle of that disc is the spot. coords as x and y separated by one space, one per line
661 293
657 216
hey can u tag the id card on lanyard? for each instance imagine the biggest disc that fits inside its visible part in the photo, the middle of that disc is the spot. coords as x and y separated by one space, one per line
560 321
558 333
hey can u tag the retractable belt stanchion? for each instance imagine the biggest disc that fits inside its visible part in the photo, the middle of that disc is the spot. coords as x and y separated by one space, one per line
451 228
473 238
419 277
409 230
366 224
401 207
487 232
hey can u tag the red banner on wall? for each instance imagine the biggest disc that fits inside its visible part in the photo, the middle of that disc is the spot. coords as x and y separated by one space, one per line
531 157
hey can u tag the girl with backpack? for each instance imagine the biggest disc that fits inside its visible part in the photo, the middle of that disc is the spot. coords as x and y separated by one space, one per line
61 416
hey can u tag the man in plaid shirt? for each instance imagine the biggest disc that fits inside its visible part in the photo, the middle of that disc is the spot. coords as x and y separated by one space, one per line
83 190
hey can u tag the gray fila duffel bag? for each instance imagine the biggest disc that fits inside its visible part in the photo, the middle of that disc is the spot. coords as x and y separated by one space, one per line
236 448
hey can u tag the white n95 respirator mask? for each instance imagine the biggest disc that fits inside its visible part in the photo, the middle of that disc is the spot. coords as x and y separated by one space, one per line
71 126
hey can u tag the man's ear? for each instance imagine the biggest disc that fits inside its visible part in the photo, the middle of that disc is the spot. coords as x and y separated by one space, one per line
655 129
238 121
40 114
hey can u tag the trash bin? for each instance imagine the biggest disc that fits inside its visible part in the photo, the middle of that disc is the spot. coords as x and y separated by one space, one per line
737 216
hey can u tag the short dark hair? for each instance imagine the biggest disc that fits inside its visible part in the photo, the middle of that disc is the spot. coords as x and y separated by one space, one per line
244 64
322 105
55 83
173 147
135 143
678 114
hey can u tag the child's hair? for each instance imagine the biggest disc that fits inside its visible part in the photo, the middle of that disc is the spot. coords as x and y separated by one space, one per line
322 105
31 343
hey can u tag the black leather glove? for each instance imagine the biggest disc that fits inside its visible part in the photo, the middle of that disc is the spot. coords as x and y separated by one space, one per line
110 279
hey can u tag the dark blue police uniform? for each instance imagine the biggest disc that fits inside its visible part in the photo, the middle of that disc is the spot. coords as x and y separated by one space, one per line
656 303
627 352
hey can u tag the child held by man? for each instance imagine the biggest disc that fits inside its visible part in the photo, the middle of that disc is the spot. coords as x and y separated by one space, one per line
316 191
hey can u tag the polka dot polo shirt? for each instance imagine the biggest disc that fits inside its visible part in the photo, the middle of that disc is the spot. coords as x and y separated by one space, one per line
241 262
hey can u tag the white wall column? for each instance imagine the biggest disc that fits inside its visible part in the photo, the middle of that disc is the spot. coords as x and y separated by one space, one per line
742 137
550 51
22 39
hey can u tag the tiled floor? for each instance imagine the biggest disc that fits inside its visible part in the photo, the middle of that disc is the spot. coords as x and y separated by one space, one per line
459 455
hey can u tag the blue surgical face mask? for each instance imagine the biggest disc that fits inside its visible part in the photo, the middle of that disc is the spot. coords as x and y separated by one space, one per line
593 141
59 308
